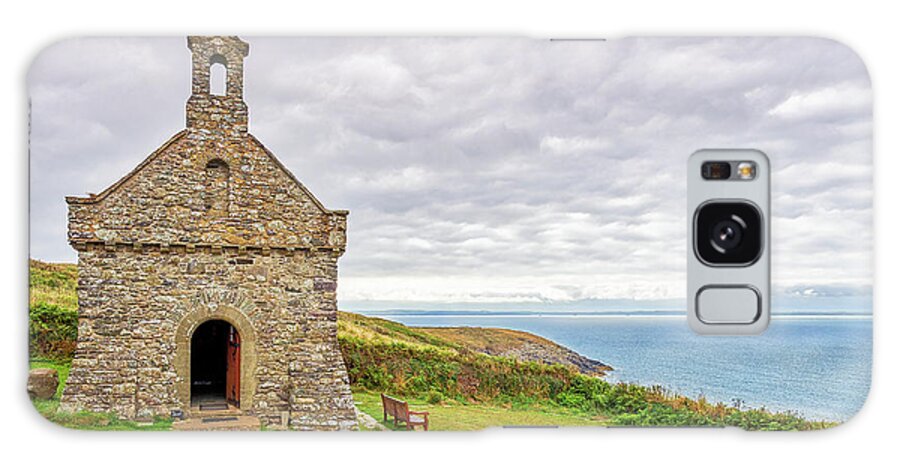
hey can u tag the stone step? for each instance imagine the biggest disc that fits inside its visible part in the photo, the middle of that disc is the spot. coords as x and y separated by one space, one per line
229 410
218 422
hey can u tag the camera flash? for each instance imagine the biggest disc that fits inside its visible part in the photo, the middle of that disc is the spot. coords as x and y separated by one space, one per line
746 170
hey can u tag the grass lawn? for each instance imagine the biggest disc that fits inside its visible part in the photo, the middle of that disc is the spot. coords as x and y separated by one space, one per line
452 415
84 420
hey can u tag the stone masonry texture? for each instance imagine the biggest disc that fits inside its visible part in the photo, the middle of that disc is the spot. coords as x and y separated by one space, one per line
211 226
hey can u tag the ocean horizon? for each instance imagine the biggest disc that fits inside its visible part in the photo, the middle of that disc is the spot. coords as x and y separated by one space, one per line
599 313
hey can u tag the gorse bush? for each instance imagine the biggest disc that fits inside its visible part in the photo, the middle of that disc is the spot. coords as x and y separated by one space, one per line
434 397
52 331
405 369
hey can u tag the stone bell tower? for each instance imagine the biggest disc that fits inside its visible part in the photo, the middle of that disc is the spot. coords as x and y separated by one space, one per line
222 113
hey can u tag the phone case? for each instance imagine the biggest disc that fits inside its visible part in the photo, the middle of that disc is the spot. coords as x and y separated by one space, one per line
507 214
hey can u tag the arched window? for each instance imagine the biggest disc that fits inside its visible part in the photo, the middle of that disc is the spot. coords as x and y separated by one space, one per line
216 190
218 75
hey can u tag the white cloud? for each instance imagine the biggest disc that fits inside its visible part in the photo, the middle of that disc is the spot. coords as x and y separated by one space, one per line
829 102
499 169
573 145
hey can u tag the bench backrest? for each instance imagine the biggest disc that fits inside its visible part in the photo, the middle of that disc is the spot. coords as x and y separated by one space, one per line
395 407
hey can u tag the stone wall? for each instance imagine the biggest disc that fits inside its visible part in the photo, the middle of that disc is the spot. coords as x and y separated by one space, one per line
138 310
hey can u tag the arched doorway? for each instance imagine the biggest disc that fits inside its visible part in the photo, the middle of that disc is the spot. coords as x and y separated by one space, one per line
215 366
209 306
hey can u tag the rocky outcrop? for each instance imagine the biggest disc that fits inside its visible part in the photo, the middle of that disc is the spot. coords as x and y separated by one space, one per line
519 345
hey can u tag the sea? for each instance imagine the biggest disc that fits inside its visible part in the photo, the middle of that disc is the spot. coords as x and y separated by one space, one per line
816 365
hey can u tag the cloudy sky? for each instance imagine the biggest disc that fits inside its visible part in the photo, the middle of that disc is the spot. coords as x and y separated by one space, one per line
497 171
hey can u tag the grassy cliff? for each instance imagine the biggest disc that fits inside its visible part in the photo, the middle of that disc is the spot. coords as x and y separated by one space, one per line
470 378
520 345
505 343
449 367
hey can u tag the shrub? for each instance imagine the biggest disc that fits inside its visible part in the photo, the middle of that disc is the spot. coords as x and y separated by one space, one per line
573 400
52 331
434 397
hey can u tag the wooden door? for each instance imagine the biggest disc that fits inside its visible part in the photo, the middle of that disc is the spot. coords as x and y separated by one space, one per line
233 372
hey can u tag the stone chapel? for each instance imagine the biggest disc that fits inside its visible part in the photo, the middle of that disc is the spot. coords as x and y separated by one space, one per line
207 276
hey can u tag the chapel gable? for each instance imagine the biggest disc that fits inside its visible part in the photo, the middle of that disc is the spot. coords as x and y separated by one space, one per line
212 183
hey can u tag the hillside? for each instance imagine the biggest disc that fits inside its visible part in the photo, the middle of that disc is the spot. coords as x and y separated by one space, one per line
515 344
53 284
523 346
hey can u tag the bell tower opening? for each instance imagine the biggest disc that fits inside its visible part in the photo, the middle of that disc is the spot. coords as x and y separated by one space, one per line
215 366
216 105
218 76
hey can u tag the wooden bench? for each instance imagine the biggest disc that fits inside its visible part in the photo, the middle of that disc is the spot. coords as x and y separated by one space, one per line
399 410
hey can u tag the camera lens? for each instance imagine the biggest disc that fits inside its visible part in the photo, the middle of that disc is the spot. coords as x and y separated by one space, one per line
716 170
728 233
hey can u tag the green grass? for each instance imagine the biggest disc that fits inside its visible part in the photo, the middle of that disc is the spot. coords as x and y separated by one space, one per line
455 415
372 329
84 420
53 284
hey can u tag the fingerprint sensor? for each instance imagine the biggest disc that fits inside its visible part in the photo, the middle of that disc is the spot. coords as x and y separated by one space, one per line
725 304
